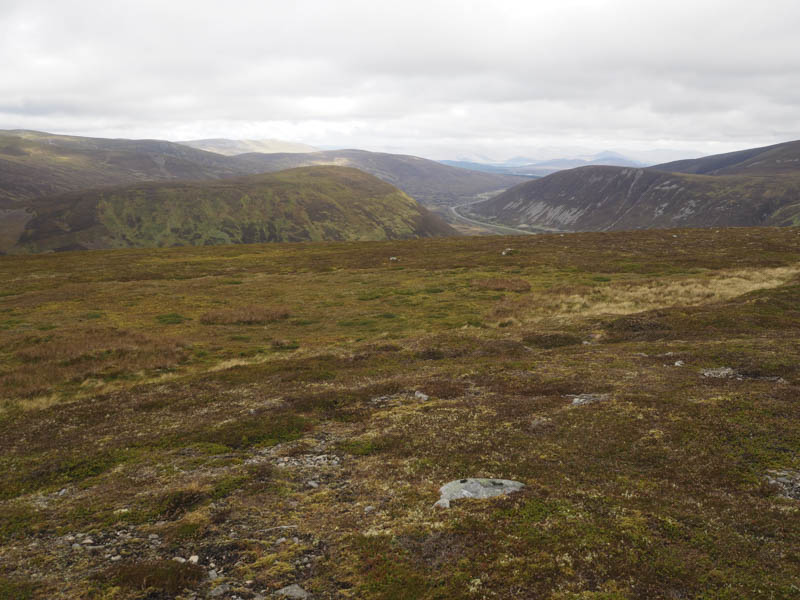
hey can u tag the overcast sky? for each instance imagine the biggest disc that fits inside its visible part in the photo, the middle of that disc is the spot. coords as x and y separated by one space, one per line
442 79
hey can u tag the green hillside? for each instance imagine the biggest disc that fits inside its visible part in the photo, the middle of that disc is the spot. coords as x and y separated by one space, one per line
306 204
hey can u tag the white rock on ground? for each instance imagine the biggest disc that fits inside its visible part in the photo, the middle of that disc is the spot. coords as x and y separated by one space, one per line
293 591
476 488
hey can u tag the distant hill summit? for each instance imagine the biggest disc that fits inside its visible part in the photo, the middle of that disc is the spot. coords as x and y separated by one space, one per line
305 204
35 164
747 188
234 147
769 160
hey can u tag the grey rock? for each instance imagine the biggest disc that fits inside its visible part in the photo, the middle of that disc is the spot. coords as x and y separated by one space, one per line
223 588
194 559
116 558
369 509
212 575
293 591
476 488
582 399
179 559
788 482
312 484
420 395
719 373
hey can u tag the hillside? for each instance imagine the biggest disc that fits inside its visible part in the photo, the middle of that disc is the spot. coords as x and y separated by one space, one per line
429 182
34 164
228 421
234 147
614 198
778 159
305 204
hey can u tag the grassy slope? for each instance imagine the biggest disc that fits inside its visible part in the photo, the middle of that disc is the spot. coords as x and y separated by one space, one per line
314 203
429 182
160 389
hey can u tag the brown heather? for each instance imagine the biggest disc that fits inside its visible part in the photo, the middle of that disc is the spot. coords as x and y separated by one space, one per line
193 393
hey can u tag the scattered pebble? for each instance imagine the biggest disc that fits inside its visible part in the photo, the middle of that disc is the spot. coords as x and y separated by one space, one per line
179 559
421 395
194 559
369 509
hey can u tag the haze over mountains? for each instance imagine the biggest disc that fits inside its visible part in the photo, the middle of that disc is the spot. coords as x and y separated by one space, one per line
234 147
525 167
759 186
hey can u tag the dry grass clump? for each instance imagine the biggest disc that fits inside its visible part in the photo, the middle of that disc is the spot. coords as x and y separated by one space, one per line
551 340
624 298
500 284
246 315
75 356
166 576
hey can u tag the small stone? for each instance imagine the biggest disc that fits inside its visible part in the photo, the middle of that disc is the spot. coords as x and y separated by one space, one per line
719 373
581 399
312 484
116 558
62 491
280 540
88 541
220 589
679 363
369 509
293 591
420 395
194 559
77 547
152 536
179 559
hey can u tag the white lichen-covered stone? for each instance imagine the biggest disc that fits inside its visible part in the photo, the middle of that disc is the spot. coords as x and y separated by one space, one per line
476 488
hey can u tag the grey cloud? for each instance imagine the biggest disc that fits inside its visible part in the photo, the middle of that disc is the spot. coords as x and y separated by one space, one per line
442 78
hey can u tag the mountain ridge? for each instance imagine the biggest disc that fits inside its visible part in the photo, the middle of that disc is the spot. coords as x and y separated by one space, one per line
754 187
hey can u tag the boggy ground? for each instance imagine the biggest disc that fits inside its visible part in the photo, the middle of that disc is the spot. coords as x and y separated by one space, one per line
255 409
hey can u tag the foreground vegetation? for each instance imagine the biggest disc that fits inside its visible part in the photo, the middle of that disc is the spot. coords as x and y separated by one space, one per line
285 414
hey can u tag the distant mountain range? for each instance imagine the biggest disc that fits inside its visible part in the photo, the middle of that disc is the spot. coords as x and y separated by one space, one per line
523 167
35 164
760 186
305 204
234 147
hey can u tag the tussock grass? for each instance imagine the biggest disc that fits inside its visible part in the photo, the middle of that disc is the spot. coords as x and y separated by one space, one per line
245 315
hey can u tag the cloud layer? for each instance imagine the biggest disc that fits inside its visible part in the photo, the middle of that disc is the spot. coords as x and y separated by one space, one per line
435 78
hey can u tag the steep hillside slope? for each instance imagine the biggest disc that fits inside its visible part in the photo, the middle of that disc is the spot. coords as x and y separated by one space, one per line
429 182
769 160
34 164
234 147
614 198
313 203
